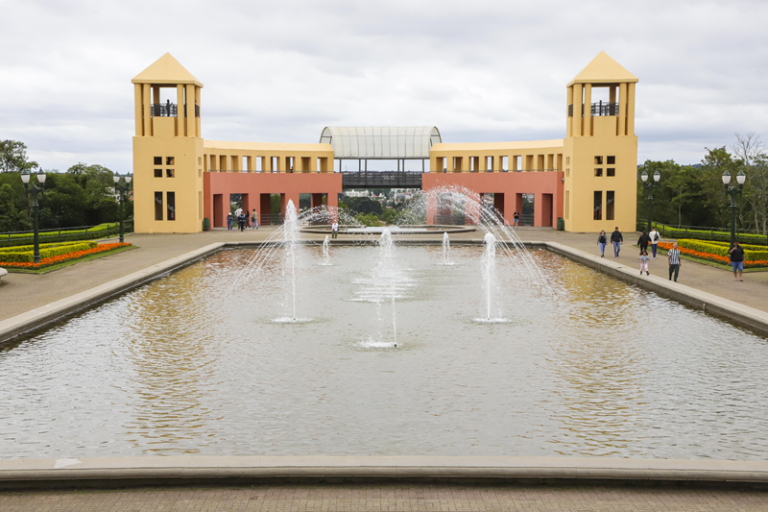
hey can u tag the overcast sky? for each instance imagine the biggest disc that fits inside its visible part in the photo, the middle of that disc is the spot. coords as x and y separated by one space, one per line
282 70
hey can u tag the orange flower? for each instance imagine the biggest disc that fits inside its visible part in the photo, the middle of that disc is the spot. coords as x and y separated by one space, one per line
46 262
713 257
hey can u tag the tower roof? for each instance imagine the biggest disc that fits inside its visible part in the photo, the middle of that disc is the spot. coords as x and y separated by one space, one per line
603 69
166 70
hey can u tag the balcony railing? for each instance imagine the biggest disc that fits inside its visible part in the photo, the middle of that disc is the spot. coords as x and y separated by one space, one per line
163 110
598 109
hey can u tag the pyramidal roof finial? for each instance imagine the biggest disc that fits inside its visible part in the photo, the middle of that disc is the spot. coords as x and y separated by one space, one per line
603 69
166 70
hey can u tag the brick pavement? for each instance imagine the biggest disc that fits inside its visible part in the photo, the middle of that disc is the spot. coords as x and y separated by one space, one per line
388 498
23 292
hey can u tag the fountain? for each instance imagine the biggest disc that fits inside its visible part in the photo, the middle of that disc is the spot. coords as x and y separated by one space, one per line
446 250
488 261
326 252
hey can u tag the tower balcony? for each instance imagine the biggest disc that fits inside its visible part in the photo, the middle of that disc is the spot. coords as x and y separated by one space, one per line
169 110
598 109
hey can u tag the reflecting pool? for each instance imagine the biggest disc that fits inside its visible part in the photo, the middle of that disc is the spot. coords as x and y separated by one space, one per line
386 360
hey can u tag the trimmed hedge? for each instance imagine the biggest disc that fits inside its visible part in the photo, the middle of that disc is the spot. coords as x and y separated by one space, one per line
15 255
710 235
65 235
752 253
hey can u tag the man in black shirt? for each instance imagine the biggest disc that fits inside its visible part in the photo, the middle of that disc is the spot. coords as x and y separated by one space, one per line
736 254
617 239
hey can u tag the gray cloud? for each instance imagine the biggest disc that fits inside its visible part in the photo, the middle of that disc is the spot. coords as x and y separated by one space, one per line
280 71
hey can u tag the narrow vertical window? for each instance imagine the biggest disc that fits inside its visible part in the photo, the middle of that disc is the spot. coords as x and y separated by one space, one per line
200 205
171 199
158 206
567 204
597 208
609 205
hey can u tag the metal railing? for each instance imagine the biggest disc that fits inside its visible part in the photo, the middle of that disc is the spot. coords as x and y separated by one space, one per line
381 179
598 109
55 235
163 110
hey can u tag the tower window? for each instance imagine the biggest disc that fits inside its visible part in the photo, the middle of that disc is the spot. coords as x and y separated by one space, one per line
609 206
158 173
599 171
598 160
611 171
611 160
170 173
567 160
597 205
158 206
567 172
158 160
171 205
169 160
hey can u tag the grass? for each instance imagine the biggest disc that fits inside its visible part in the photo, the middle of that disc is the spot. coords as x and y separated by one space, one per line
68 263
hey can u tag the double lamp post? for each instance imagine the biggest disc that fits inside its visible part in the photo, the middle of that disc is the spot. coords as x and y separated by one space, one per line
734 191
649 186
122 187
35 190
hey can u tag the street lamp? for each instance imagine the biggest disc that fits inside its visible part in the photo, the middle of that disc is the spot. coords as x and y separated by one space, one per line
35 190
649 186
122 187
734 191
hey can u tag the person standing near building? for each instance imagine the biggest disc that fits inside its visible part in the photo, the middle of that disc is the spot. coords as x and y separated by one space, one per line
617 239
516 218
238 212
254 220
335 229
229 222
602 240
673 258
736 253
643 241
654 237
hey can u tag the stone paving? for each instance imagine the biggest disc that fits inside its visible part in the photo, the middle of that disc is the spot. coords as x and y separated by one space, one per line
388 498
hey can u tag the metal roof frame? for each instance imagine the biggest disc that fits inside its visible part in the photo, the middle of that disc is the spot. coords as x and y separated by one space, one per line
381 142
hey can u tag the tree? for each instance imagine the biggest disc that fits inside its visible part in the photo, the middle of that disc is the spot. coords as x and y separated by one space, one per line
13 157
750 153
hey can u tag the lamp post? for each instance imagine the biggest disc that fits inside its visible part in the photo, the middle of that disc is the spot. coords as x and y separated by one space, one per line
35 191
649 186
122 187
734 191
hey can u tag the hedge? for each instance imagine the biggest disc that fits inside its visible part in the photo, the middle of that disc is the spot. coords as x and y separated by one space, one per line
754 256
65 235
16 256
711 235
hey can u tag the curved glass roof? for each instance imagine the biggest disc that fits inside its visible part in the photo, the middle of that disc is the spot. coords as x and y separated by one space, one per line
381 142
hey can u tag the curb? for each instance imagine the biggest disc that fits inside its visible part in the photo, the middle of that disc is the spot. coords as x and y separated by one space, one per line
255 470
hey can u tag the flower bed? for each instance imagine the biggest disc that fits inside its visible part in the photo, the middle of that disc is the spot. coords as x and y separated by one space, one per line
25 253
62 258
717 252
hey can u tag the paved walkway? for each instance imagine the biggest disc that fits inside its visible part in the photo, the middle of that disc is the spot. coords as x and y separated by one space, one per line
388 498
22 292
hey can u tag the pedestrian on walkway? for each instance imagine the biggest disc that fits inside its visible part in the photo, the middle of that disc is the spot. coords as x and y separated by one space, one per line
644 262
229 221
516 218
643 241
617 239
736 253
602 240
673 258
241 220
335 229
654 236
254 220
238 212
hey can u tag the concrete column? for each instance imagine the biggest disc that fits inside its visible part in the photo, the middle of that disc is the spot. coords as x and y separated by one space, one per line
622 109
190 98
569 123
198 120
147 113
612 94
155 94
137 109
180 126
482 161
577 102
630 109
588 110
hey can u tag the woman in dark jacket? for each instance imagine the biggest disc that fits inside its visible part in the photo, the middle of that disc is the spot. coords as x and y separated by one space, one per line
602 240
643 241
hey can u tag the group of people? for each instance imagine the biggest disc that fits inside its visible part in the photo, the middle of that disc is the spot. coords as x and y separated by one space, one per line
735 252
242 219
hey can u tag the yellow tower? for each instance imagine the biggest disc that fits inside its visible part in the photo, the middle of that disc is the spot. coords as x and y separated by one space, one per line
167 150
600 148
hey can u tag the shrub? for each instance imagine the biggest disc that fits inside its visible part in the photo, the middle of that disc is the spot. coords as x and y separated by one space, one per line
15 255
710 235
718 252
53 260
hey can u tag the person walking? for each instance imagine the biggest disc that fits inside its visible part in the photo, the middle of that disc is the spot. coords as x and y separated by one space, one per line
229 221
335 229
602 240
516 218
643 241
168 108
254 220
736 253
238 212
241 220
654 237
644 262
617 239
673 258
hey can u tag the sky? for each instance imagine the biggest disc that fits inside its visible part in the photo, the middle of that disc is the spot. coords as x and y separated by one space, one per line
281 71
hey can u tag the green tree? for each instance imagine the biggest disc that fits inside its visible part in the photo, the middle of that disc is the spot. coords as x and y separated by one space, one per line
13 157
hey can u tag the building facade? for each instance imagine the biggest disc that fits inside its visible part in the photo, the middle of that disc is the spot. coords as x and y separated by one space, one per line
588 178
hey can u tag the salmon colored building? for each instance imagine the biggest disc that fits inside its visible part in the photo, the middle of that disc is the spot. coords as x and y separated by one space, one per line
588 178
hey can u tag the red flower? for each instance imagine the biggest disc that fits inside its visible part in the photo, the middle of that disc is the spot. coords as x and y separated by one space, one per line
46 262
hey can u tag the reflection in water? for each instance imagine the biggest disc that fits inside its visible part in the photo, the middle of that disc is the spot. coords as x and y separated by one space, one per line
182 365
